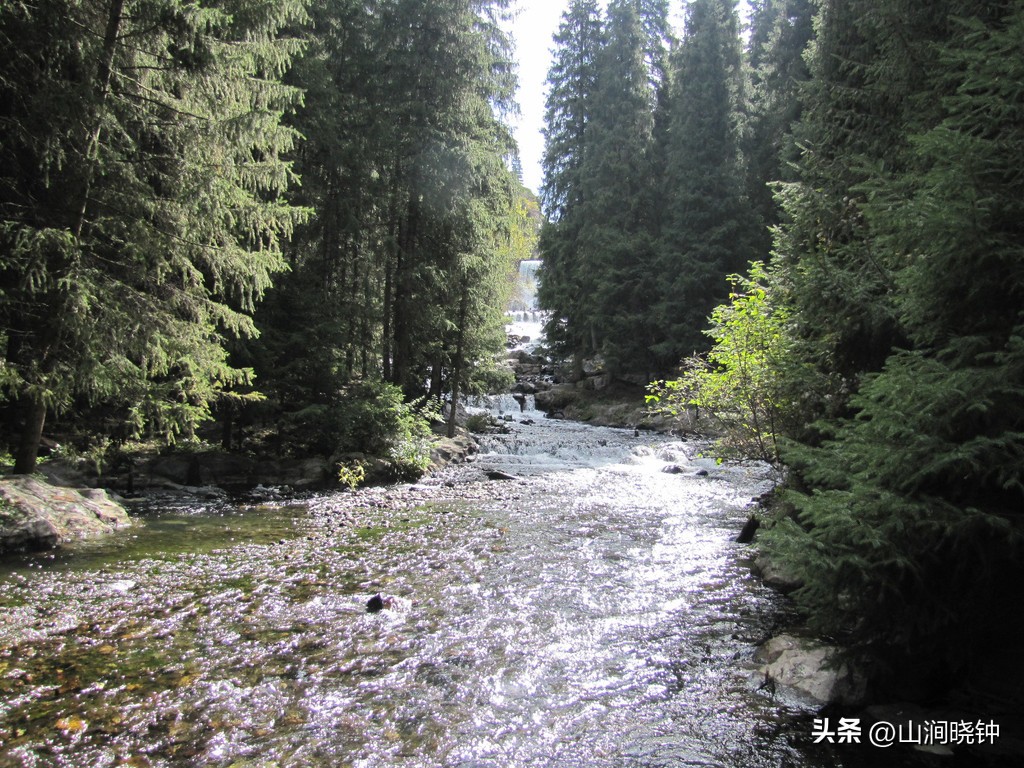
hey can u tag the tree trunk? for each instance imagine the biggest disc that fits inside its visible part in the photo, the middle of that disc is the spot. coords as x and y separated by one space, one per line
366 335
31 436
387 334
402 320
460 344
435 377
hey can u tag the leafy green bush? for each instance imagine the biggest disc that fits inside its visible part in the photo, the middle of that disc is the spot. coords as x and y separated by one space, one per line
351 474
373 418
370 418
743 382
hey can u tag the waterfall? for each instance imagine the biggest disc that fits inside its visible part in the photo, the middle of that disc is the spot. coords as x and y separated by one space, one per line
525 299
524 321
503 405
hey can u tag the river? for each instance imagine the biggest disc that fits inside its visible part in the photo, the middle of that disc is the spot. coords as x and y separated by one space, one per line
594 611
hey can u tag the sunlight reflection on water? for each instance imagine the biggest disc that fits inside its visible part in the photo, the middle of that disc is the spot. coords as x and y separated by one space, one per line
591 613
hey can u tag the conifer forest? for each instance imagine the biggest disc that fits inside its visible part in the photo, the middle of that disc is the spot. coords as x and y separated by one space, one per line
294 226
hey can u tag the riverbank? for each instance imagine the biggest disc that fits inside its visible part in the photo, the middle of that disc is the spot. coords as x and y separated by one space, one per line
66 501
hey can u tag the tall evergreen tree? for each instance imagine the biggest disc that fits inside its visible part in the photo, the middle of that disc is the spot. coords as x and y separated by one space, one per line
912 541
708 229
867 63
406 165
614 248
780 33
570 104
141 201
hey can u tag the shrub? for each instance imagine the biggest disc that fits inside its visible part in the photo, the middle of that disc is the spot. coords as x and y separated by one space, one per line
743 383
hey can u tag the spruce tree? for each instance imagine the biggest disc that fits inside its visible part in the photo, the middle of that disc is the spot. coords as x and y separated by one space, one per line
780 33
406 164
142 207
614 246
708 230
570 104
911 540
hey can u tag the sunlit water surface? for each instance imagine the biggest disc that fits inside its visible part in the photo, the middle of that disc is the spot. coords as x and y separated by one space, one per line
592 612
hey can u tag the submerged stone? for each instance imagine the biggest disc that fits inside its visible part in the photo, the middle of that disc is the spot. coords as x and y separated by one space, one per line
497 474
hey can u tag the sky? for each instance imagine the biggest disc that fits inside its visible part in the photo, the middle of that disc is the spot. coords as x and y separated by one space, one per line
533 28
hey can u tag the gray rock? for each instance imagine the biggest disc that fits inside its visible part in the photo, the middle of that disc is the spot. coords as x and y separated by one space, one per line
557 398
775 576
593 366
453 450
808 671
497 474
35 515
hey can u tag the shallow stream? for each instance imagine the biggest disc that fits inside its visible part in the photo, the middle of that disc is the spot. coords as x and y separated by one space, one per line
593 612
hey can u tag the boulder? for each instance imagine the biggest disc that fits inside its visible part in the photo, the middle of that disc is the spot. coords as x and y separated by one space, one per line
557 398
775 576
810 672
453 450
497 474
749 530
35 515
593 366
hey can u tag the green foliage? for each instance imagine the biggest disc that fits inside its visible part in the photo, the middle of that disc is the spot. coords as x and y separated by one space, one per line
569 109
743 383
373 418
613 246
403 272
601 181
908 529
780 31
708 228
351 474
910 535
142 201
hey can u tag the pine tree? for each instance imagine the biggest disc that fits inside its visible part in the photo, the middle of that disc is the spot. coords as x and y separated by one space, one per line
570 105
708 229
142 204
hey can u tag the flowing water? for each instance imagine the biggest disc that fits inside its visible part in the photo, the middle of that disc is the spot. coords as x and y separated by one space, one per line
591 612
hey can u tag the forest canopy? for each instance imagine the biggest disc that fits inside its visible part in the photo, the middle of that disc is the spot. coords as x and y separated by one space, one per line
247 210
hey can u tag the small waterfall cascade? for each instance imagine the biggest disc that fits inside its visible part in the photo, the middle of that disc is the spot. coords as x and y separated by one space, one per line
503 405
525 298
524 319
